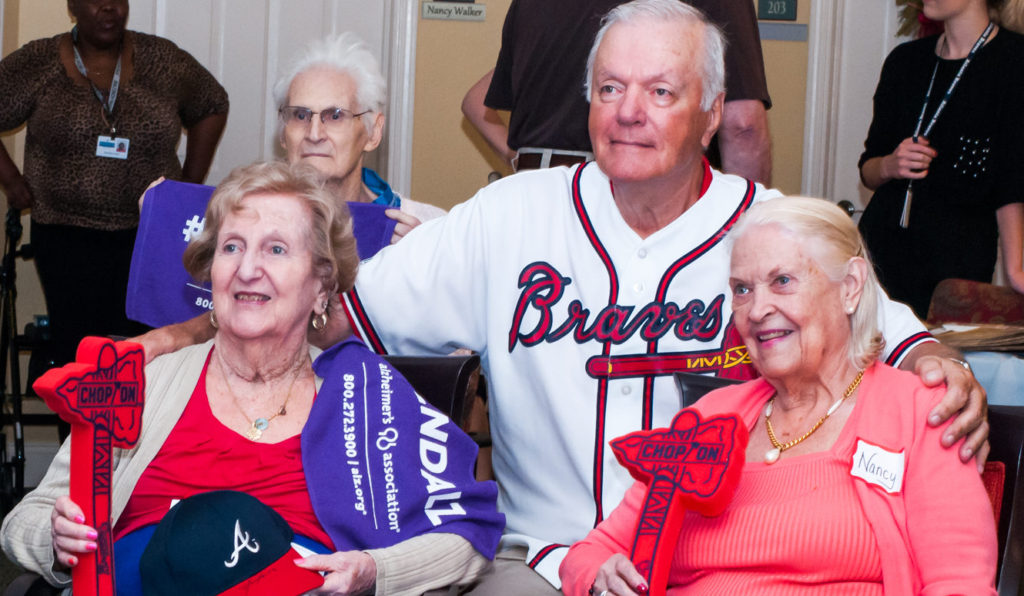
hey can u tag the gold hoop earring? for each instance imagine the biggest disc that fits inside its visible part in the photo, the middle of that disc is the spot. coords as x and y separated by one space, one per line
213 320
320 321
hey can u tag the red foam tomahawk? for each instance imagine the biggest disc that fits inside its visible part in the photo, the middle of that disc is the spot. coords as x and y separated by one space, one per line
693 464
100 395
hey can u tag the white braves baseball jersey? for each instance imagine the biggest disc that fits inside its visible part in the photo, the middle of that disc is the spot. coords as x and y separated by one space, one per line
580 324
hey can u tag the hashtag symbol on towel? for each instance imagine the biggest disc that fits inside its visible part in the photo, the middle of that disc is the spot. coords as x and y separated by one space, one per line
193 227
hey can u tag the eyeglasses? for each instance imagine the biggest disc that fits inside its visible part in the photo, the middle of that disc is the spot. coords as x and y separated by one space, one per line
299 116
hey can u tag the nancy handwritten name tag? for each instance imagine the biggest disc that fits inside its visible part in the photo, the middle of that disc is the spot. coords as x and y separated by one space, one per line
878 466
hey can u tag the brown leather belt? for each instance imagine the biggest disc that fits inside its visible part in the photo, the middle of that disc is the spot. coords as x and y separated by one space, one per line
532 161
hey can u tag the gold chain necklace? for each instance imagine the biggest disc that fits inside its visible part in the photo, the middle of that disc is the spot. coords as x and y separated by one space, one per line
772 455
257 426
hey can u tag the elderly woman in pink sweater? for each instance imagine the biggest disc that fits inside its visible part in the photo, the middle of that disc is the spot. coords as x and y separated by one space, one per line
846 489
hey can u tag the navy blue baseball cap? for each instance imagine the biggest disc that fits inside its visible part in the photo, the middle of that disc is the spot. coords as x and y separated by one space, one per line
223 542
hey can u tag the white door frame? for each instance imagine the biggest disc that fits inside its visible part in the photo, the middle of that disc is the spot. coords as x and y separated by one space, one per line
844 60
400 66
820 114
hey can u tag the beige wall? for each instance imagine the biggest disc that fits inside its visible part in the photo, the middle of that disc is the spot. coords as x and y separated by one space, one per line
25 20
786 69
450 160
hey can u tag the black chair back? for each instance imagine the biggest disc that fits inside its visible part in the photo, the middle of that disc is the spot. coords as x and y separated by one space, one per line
443 381
693 386
1006 438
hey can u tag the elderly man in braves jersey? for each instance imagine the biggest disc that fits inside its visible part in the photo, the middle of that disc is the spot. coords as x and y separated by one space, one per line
583 289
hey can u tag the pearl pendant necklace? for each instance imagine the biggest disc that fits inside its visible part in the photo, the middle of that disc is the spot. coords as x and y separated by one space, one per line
772 455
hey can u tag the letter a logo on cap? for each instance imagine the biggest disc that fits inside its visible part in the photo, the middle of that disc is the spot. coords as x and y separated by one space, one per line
242 542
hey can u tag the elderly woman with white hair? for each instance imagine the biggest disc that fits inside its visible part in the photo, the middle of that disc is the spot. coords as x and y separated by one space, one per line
331 106
811 513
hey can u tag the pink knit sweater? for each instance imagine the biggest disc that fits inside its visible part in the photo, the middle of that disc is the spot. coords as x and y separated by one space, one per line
934 536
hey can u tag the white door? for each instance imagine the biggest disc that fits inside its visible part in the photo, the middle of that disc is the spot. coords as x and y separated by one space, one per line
247 43
849 40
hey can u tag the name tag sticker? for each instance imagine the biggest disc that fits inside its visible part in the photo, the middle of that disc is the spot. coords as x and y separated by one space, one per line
112 147
878 466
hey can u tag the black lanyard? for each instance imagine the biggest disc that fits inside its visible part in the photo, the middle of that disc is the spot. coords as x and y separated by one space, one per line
108 102
905 216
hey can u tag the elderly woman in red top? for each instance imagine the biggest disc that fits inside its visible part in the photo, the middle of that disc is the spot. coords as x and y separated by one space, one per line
259 410
812 513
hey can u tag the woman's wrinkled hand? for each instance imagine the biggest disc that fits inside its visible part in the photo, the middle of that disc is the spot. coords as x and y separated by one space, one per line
618 576
910 160
349 573
405 223
68 532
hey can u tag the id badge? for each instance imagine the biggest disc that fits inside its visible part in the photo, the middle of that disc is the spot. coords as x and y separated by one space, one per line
112 147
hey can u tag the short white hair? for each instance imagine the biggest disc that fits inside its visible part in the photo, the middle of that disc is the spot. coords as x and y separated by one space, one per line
713 75
346 53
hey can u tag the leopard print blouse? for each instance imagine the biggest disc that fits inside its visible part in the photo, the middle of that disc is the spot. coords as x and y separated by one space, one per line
162 89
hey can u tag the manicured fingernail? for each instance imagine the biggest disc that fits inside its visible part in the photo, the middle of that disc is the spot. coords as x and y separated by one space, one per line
947 439
80 519
91 535
933 419
72 561
641 588
967 452
90 546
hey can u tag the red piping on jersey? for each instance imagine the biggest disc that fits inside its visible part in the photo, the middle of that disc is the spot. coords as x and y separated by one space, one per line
705 182
360 320
351 319
602 384
690 257
905 346
547 550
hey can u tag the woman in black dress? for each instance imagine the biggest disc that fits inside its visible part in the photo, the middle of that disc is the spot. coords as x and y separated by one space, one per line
942 155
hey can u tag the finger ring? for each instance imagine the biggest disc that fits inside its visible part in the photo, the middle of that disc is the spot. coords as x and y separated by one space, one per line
604 593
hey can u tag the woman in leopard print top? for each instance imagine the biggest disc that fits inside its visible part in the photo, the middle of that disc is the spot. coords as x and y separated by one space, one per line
84 205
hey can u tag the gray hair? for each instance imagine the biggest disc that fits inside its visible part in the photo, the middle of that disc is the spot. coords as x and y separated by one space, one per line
345 53
713 75
835 240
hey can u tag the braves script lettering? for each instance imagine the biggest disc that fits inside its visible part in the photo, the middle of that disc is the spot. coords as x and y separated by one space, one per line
242 542
542 288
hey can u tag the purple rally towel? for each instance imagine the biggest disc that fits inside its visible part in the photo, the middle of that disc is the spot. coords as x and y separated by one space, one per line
160 292
383 466
373 229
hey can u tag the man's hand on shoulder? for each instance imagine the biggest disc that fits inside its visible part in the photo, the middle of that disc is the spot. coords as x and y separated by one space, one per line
965 398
